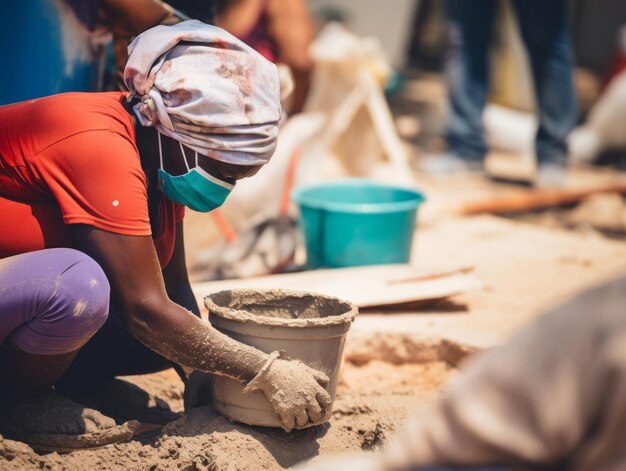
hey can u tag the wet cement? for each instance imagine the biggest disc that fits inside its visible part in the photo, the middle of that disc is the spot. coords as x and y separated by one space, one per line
280 307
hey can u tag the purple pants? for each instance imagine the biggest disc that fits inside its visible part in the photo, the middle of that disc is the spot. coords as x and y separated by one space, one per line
51 301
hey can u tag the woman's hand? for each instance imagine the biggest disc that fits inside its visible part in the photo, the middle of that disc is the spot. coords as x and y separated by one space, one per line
295 391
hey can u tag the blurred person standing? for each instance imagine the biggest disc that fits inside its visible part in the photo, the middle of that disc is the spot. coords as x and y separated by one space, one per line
545 33
282 31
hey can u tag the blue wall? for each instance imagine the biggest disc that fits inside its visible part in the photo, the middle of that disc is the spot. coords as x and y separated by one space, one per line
31 48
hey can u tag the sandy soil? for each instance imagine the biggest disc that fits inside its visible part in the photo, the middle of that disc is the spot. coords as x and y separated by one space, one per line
372 400
394 361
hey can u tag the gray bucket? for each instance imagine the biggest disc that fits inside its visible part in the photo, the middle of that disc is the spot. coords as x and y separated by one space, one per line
308 327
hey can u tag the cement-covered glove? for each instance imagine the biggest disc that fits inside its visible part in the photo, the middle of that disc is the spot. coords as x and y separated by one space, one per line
294 390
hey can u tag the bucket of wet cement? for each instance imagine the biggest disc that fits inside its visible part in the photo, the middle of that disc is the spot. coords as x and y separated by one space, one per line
308 327
357 222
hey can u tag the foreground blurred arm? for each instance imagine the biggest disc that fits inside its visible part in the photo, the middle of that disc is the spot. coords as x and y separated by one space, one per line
556 393
554 397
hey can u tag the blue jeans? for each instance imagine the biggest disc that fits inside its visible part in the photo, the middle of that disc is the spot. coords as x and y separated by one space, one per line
545 33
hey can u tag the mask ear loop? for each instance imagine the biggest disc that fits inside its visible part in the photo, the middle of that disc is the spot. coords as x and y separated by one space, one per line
184 156
160 151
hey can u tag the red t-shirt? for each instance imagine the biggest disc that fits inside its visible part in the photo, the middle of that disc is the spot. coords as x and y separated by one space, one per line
72 159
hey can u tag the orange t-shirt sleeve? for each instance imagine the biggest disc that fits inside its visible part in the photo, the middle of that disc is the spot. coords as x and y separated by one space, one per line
96 178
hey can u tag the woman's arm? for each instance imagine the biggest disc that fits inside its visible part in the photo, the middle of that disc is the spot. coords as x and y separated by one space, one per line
133 270
130 262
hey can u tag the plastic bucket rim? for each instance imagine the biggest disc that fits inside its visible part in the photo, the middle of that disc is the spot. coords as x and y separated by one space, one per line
244 317
298 196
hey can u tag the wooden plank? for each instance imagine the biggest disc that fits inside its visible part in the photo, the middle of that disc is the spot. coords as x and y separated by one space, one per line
536 199
370 286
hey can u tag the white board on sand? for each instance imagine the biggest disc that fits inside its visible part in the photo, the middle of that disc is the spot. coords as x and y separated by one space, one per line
370 286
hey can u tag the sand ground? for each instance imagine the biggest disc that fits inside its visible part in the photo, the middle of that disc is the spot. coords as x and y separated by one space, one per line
371 402
394 361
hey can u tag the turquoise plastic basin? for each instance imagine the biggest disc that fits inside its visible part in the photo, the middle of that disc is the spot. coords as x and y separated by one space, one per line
357 222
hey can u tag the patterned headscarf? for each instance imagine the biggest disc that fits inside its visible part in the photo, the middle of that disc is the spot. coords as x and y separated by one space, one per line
200 85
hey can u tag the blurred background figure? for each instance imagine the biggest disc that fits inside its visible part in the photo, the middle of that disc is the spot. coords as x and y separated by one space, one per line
603 128
280 30
545 33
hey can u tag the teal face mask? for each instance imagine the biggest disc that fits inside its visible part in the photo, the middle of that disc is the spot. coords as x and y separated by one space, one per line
196 189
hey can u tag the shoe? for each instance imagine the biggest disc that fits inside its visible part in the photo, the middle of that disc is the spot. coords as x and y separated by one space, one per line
57 423
448 164
123 401
550 176
584 145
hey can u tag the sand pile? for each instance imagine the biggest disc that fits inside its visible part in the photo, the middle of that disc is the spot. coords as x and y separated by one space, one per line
373 398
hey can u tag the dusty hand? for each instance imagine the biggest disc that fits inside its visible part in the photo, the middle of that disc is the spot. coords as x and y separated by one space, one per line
295 392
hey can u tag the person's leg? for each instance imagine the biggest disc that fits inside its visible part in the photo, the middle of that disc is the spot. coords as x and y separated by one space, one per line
545 32
467 75
112 352
29 377
51 302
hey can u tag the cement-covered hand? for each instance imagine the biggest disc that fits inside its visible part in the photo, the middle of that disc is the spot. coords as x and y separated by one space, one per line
294 390
296 393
